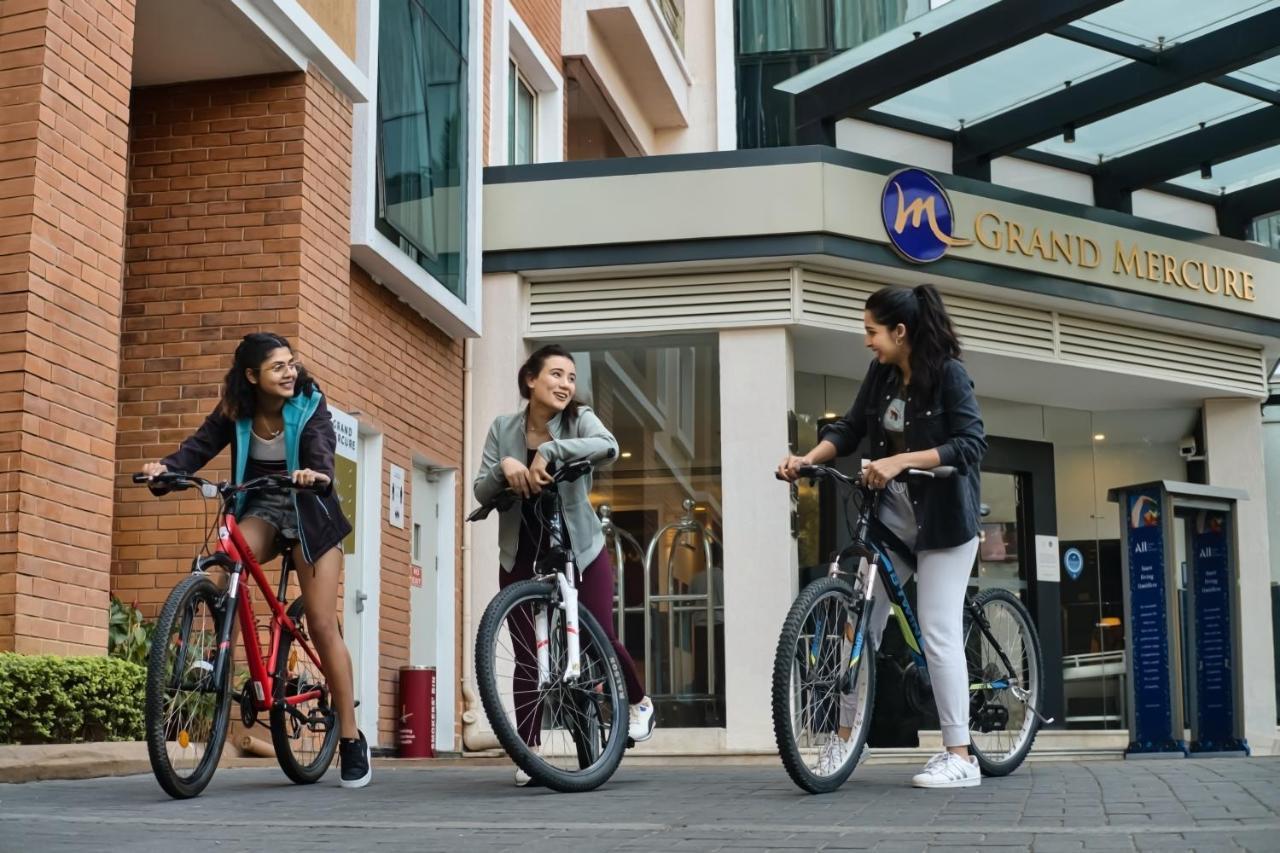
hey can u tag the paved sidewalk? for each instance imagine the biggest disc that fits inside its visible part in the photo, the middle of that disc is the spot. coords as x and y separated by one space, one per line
1105 805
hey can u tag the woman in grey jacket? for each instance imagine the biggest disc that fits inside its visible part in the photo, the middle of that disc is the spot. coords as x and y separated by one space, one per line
554 428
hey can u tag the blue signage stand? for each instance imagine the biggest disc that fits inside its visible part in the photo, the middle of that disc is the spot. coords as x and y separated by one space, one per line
1150 515
1151 623
1217 727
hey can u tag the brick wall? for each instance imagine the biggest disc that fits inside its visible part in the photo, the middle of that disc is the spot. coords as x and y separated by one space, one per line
213 252
543 19
64 71
239 220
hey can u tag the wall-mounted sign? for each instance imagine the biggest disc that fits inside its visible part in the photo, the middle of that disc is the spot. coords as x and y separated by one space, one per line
396 498
922 224
1073 563
918 216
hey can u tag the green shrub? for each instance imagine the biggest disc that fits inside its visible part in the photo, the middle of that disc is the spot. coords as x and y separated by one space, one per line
128 634
50 699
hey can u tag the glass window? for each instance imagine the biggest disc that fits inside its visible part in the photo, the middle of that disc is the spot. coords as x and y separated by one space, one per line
422 134
777 39
521 118
661 400
1266 230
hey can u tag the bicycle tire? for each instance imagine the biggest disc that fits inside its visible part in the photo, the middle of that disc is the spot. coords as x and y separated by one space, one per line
788 740
284 725
1029 727
164 721
606 762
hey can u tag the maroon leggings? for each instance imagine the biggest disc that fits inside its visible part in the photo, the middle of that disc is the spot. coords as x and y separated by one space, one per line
595 593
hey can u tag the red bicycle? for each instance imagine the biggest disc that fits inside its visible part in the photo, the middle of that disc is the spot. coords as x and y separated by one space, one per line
190 667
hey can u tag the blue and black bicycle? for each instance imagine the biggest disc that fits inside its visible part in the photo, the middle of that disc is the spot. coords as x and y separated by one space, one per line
824 674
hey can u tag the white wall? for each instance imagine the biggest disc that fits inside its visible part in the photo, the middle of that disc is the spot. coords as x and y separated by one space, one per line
1045 180
1175 211
1271 457
701 45
761 574
496 356
1233 433
897 145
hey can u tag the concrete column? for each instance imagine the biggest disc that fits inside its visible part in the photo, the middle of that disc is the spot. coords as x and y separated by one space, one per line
761 573
495 358
1233 433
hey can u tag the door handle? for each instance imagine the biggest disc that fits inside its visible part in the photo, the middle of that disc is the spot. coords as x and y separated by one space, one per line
361 598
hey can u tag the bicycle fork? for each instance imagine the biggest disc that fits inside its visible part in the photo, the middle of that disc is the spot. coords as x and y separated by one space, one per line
542 630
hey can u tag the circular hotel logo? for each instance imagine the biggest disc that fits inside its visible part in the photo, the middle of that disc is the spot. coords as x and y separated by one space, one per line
918 216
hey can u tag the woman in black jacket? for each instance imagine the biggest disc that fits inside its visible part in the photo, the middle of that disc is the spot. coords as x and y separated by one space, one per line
917 409
275 419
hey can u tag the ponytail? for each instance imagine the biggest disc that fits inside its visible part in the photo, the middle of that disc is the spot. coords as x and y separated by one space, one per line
929 329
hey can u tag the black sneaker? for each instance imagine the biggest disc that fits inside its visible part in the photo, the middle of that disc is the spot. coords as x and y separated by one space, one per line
355 757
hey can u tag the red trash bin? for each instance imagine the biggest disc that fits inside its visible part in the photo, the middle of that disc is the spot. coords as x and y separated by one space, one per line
416 734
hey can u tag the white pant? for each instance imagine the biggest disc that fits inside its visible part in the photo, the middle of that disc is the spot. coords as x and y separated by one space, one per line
942 578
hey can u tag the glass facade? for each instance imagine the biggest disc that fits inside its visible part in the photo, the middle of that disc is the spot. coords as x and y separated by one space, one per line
777 39
422 134
661 399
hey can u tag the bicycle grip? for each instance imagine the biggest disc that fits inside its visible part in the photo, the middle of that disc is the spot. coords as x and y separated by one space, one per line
141 478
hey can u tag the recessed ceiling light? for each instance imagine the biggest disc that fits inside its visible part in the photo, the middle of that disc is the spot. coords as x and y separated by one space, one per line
626 454
1099 437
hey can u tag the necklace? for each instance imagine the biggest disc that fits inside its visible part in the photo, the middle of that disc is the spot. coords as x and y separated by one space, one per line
270 433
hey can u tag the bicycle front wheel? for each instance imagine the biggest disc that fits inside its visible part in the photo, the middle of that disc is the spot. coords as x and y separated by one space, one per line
186 712
821 692
1006 680
566 732
304 726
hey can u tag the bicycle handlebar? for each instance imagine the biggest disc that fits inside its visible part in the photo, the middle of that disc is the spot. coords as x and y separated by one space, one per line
817 472
503 500
177 481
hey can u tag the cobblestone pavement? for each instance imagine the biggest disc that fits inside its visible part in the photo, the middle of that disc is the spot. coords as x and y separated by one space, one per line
1044 807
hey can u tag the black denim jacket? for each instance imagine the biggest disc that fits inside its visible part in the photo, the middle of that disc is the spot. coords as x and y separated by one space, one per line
945 417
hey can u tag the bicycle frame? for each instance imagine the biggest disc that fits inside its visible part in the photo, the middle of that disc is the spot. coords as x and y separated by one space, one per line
875 566
235 556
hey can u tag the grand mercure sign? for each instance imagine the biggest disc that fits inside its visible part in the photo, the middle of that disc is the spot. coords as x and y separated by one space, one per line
922 226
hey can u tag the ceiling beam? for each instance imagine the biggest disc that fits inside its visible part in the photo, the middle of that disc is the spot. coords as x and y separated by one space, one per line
1252 202
1210 145
1196 61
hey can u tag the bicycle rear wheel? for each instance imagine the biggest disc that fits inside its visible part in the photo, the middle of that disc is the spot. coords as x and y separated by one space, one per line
568 734
304 733
186 712
816 691
1002 726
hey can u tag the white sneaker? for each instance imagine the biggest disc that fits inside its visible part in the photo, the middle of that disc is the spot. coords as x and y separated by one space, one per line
835 752
523 779
948 770
640 721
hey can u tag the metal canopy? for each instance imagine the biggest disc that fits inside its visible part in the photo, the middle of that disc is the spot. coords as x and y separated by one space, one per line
1181 96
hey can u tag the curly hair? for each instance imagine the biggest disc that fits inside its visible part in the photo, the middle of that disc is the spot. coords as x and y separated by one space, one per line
239 395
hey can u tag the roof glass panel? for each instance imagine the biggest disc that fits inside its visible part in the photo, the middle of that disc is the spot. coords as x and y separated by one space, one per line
1265 73
1147 22
1152 122
940 17
1015 76
1237 174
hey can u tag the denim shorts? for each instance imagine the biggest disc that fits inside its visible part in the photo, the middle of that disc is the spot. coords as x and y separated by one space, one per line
275 508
